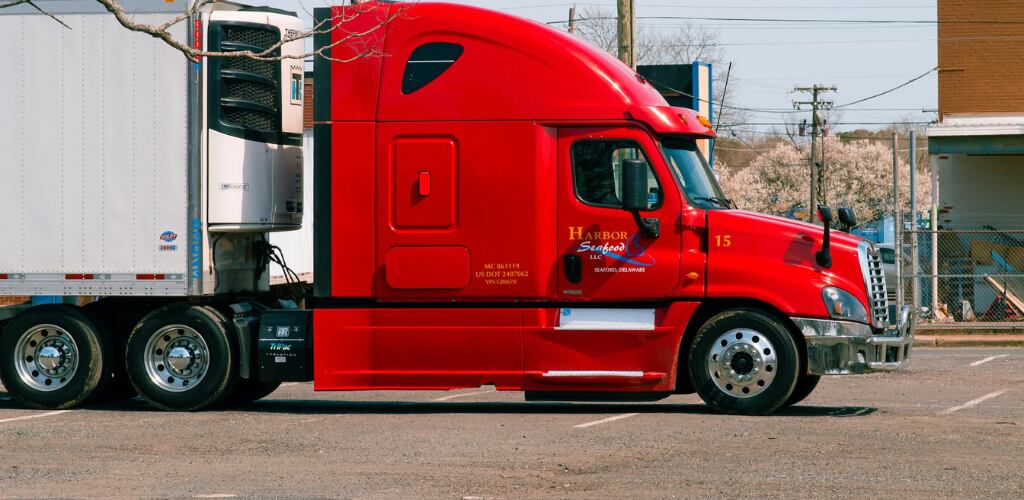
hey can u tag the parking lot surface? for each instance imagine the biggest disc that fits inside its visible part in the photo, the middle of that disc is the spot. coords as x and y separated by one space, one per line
952 425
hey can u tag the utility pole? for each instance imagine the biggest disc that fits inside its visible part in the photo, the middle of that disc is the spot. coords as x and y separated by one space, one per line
815 103
627 32
572 19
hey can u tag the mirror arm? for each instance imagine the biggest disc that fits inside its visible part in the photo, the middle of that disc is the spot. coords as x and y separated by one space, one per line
650 227
824 256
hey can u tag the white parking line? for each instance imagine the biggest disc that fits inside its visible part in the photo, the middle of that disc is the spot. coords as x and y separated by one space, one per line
40 415
986 360
605 420
455 396
286 384
973 402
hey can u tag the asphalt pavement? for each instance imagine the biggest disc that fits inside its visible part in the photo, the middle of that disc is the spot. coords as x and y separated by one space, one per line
951 425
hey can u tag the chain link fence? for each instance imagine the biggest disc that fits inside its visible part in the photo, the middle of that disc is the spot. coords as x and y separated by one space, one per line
962 276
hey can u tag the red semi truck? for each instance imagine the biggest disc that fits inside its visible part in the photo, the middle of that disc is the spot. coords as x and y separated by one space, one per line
499 203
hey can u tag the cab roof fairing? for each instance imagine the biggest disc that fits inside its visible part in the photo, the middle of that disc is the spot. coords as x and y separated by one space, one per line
514 69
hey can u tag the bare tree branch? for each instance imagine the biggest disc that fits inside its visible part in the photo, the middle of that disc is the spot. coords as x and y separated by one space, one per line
34 6
678 45
334 23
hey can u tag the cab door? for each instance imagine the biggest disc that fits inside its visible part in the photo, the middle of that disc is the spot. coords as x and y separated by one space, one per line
602 253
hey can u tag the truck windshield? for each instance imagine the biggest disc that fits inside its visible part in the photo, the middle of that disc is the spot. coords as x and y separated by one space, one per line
693 173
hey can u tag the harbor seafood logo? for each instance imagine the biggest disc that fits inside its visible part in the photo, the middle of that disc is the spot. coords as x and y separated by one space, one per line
168 236
616 245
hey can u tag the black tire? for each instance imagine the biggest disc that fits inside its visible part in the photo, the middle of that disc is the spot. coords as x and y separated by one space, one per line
119 318
755 384
804 387
247 391
86 379
204 328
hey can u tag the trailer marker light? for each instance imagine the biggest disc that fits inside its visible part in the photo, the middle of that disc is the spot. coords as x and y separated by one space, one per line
3 276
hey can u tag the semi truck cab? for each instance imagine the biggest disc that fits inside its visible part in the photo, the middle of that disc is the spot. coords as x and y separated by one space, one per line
542 220
496 203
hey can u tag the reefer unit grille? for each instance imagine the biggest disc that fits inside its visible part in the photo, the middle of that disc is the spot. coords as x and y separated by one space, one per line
245 93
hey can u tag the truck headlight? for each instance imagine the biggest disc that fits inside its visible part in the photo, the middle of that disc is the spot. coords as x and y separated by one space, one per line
842 305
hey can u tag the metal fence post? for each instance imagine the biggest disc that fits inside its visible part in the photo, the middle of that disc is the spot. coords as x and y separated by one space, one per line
896 222
934 164
915 286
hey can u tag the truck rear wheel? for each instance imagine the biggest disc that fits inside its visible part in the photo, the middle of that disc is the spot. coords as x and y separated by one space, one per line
53 357
182 357
744 361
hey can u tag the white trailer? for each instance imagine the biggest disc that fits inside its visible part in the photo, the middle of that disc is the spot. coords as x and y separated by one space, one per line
136 176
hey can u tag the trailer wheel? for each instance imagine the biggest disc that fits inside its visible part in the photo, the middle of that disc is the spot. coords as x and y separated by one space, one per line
804 387
182 357
744 361
53 357
118 318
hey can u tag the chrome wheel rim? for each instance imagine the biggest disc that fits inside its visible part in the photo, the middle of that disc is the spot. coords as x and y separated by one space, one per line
742 363
47 357
176 358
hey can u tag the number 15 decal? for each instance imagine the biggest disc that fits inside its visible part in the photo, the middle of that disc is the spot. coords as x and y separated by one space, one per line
723 240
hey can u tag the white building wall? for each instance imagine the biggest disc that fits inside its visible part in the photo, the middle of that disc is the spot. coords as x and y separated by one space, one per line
981 190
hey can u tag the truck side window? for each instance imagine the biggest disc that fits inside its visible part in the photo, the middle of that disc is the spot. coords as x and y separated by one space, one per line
427 62
597 172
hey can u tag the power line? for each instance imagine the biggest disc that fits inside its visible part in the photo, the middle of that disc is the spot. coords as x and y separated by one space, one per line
780 124
820 21
880 94
732 7
835 42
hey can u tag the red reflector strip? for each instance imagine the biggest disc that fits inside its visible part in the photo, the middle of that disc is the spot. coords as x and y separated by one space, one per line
3 276
78 276
149 276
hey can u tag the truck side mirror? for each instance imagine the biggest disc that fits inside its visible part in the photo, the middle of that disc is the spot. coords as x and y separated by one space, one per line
824 214
634 185
848 218
634 196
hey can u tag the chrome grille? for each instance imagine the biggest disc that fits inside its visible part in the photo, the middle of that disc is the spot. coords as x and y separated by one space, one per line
875 281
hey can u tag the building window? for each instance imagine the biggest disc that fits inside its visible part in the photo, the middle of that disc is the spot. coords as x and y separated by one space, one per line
597 172
428 62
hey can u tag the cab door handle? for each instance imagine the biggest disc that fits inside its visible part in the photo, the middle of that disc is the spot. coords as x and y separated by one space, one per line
573 268
423 183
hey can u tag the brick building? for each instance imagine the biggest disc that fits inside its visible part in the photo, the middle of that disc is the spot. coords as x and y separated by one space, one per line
978 143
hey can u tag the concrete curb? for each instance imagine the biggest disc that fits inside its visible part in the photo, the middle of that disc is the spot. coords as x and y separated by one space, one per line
969 340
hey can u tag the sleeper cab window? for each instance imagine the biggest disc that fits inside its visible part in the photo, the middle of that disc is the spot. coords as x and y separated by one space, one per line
597 172
427 62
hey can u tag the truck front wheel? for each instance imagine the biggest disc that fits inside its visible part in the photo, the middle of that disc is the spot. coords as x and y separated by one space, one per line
53 357
744 361
182 357
804 387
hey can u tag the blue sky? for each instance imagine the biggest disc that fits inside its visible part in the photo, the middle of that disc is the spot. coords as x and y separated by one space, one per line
769 58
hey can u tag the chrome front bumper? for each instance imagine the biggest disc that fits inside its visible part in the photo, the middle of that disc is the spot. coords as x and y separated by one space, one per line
845 347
